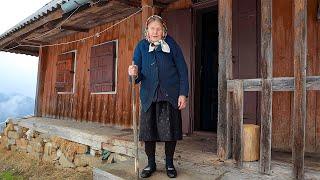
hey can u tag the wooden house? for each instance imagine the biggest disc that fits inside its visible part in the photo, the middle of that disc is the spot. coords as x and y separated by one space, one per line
259 46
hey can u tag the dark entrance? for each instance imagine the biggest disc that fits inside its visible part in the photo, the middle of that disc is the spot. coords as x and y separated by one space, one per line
206 68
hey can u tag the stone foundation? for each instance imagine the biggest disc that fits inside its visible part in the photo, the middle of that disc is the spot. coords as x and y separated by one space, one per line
53 149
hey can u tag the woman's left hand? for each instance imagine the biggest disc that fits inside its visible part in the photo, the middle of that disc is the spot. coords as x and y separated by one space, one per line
182 102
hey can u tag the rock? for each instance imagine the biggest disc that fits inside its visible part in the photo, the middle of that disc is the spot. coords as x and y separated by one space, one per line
14 148
37 155
87 159
37 145
79 161
13 135
57 140
65 162
36 134
30 134
22 144
8 146
50 152
29 148
3 140
11 141
81 149
59 153
45 137
10 120
111 158
119 157
7 129
69 149
94 152
82 169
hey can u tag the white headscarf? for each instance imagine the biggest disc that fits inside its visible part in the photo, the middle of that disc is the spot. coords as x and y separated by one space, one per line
163 44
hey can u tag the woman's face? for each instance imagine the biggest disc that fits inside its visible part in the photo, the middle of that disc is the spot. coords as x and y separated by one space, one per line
155 31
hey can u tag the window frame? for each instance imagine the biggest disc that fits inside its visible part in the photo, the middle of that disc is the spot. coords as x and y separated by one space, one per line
115 70
74 74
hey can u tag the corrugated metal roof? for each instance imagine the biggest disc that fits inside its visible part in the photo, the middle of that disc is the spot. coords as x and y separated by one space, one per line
49 7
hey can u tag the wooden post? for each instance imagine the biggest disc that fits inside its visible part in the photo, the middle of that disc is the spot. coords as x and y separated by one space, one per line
238 122
146 12
225 73
266 94
299 106
40 81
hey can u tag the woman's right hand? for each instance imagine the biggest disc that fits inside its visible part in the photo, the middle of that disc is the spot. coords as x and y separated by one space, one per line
133 70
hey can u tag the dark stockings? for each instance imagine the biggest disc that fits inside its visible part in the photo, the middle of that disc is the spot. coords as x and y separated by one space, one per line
150 148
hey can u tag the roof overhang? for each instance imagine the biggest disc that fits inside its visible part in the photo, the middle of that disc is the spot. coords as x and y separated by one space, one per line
41 27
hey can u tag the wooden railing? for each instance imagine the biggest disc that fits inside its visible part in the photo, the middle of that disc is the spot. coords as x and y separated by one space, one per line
231 92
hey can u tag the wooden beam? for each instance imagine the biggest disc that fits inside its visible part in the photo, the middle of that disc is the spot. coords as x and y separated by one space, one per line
318 14
72 28
299 100
238 123
146 13
266 86
225 73
278 84
24 32
43 51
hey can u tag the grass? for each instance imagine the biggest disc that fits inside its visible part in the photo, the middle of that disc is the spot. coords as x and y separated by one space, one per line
16 165
9 175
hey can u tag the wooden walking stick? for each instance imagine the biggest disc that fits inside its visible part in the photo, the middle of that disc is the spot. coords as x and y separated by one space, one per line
135 128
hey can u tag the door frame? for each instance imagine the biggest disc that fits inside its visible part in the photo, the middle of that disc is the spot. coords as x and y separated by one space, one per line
196 8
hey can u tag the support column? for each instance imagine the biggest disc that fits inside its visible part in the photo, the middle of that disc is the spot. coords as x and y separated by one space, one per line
225 73
299 106
238 122
266 94
40 81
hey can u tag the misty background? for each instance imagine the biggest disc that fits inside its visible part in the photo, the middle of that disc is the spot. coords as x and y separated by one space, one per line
18 73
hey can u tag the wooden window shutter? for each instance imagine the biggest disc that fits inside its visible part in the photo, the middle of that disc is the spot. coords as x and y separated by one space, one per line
102 67
65 72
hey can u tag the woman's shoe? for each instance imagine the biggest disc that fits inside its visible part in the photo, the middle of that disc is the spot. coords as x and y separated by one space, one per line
171 172
147 171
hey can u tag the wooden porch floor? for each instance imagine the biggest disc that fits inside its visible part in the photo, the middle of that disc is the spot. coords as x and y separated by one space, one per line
196 152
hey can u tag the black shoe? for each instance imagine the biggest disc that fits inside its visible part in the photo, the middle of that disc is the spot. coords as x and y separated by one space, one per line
147 171
171 172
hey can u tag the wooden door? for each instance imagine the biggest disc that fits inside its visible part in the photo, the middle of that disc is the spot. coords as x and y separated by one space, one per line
179 27
244 52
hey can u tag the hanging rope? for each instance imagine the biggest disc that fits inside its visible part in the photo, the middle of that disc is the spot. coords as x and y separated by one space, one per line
97 35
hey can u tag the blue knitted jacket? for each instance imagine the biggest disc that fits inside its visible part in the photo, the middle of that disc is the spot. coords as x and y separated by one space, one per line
171 72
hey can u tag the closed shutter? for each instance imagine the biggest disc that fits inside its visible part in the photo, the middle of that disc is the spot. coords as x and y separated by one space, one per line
65 72
102 67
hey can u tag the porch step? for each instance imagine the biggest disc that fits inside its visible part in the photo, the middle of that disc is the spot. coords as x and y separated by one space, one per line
125 170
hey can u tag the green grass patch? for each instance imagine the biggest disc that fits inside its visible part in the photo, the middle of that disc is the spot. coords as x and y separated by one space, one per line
9 175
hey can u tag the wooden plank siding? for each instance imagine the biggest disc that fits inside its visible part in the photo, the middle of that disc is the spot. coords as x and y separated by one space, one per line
282 110
111 109
115 109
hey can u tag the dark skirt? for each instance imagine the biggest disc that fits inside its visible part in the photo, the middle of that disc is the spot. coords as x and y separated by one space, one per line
161 122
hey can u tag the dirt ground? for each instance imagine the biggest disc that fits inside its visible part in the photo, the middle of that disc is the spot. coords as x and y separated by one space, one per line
18 165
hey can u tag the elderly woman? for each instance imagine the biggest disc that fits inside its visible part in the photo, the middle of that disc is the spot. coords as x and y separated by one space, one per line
160 67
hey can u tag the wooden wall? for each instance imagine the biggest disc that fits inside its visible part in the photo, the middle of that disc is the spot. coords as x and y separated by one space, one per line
115 109
111 109
283 67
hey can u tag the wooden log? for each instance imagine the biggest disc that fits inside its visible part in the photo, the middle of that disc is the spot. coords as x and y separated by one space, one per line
299 106
225 73
238 122
40 81
251 142
266 127
278 84
266 86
